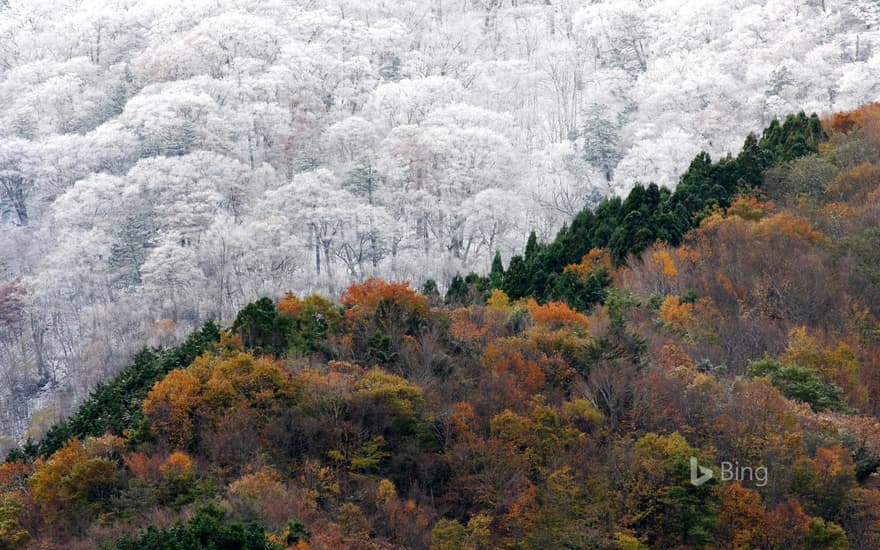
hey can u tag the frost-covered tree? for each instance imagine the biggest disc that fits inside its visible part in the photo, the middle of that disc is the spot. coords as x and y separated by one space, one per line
18 166
217 150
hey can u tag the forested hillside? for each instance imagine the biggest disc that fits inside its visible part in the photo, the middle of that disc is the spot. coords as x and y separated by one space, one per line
391 418
166 162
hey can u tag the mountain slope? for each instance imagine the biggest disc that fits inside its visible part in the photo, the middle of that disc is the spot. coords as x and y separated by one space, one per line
164 164
389 420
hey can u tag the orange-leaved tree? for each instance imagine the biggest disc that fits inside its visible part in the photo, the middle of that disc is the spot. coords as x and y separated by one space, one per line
514 362
556 315
378 314
73 485
187 402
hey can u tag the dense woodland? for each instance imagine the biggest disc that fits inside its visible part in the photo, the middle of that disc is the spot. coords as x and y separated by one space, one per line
166 162
554 403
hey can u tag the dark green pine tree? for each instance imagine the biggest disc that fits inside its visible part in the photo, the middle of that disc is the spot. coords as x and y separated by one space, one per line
517 278
496 275
816 132
531 248
429 289
635 200
796 141
771 143
751 162
456 294
699 172
652 198
257 326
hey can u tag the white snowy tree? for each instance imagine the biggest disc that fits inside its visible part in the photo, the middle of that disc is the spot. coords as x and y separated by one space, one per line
172 159
18 166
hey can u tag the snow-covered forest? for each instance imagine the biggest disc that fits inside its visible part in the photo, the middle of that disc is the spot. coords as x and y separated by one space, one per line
166 162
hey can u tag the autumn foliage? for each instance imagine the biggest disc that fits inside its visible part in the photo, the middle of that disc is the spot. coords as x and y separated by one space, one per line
188 401
865 119
560 418
556 315
361 300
